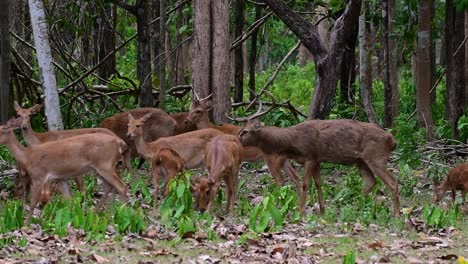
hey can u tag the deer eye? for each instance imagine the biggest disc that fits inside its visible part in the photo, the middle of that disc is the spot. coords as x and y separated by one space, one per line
242 133
137 125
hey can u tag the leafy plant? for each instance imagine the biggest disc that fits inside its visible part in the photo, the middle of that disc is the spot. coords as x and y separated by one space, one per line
349 258
11 216
438 217
128 219
263 213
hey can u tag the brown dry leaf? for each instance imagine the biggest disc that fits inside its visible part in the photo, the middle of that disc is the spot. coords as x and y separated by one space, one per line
99 259
375 245
151 232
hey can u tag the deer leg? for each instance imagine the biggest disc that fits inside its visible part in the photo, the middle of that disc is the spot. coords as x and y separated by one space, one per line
80 183
107 188
368 176
36 192
315 170
274 166
308 168
454 194
231 189
115 181
292 174
127 159
379 168
64 188
155 178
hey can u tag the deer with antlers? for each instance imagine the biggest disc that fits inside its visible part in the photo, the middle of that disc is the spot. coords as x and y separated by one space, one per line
222 158
198 115
337 141
22 183
190 146
65 158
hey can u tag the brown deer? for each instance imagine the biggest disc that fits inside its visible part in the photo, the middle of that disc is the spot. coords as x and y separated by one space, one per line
67 158
222 158
337 141
159 125
167 163
198 115
457 179
182 125
190 146
32 138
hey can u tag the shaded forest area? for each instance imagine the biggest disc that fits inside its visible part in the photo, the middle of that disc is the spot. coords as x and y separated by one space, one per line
213 64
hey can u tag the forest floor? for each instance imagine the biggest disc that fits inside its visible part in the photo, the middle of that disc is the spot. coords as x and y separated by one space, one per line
405 240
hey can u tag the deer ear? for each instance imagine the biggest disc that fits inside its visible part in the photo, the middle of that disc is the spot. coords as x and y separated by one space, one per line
36 108
256 123
17 106
130 117
146 117
12 123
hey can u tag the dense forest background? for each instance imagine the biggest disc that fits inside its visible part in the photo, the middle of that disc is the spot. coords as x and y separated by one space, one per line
381 61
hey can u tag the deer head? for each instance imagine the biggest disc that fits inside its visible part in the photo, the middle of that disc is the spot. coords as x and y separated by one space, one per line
248 135
5 129
202 191
198 111
135 125
26 114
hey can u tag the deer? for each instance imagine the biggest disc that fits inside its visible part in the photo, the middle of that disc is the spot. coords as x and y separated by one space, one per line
32 138
342 141
190 146
181 124
65 158
222 158
159 125
457 179
198 115
167 163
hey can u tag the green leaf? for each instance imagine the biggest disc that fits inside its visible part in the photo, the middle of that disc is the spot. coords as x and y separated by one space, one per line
264 222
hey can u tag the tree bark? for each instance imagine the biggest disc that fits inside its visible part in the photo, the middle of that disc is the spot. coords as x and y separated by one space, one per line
238 55
5 102
347 69
144 53
390 64
162 59
365 62
466 63
423 96
201 77
155 37
253 55
220 60
46 69
327 62
105 38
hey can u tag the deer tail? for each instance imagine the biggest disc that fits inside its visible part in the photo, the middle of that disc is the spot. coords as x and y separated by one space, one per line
391 142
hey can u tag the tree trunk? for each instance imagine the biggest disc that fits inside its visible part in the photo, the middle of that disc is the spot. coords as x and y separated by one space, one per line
105 39
466 63
433 54
220 60
46 69
144 53
162 59
253 55
455 79
201 77
347 69
423 96
238 56
390 65
155 37
326 61
365 62
5 102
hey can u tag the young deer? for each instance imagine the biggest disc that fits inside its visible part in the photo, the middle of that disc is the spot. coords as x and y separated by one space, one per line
336 141
457 179
66 158
160 124
32 138
189 146
198 115
222 158
167 163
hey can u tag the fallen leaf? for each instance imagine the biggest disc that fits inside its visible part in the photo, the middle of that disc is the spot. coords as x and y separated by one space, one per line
375 245
98 259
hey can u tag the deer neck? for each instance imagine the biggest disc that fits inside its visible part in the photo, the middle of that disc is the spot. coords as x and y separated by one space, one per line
142 147
204 122
30 136
16 148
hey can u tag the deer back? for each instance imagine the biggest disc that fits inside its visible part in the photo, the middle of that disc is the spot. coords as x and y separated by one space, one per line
160 124
222 155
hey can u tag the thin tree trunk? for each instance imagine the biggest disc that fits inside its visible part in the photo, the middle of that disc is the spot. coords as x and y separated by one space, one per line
46 69
238 58
347 71
423 96
155 37
220 60
105 38
451 74
162 59
201 77
365 62
433 55
459 67
5 102
253 55
466 63
144 54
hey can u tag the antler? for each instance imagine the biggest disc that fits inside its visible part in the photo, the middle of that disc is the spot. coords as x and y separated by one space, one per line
259 112
197 99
